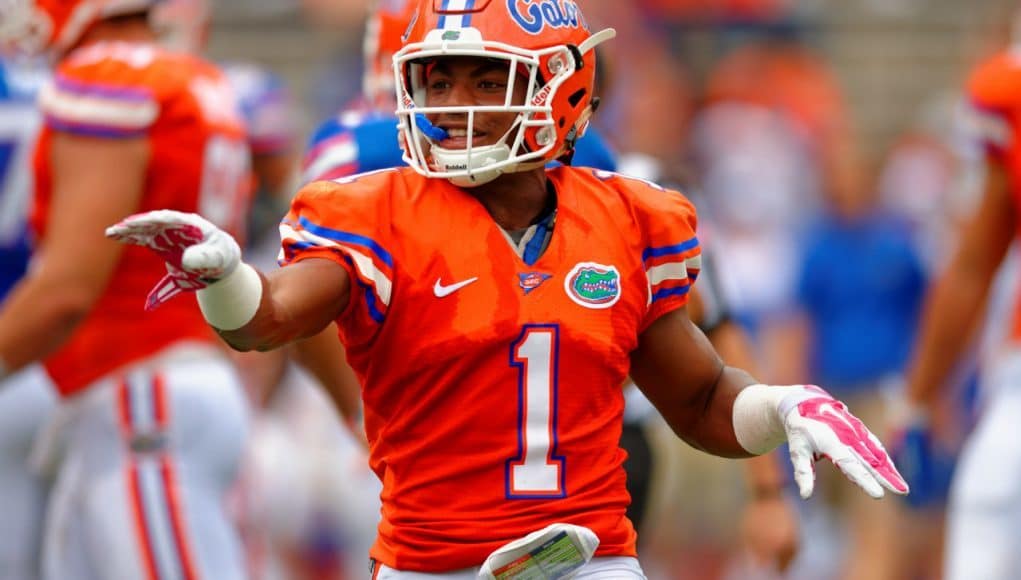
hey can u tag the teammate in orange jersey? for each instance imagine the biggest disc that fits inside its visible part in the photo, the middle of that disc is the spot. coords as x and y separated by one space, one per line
152 419
492 309
983 506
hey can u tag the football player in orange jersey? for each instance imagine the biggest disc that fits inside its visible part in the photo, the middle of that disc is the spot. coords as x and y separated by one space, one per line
984 504
492 308
152 419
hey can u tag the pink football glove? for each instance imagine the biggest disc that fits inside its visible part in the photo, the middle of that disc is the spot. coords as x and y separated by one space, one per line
820 426
197 253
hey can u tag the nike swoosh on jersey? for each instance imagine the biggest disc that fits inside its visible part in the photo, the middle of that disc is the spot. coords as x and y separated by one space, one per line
440 290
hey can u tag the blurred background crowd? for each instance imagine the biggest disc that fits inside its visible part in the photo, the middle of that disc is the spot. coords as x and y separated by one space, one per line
826 145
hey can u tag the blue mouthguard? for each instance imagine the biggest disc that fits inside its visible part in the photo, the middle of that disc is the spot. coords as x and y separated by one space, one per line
428 129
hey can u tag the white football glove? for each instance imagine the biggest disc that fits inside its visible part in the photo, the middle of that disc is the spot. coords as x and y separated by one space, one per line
815 425
821 426
196 252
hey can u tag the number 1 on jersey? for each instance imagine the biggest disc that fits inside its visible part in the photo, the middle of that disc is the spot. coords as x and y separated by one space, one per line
536 471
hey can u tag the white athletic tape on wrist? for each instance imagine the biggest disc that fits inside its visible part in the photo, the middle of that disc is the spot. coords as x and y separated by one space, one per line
231 302
759 412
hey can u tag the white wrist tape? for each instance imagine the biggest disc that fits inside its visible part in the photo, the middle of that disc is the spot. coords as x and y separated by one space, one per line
759 412
232 301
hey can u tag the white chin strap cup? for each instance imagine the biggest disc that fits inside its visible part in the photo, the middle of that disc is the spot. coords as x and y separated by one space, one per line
452 160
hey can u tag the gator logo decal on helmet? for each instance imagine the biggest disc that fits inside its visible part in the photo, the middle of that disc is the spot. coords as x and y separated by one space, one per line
534 15
593 285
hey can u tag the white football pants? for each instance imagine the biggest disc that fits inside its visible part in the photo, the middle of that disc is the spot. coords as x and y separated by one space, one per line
147 458
985 497
27 399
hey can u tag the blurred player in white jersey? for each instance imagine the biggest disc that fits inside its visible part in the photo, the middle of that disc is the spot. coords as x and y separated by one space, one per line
148 436
26 398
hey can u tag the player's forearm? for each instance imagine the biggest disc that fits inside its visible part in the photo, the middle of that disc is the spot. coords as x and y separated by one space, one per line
956 304
242 310
951 315
253 312
32 327
709 425
677 368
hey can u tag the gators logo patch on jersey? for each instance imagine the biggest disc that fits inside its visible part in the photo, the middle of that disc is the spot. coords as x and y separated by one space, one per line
593 285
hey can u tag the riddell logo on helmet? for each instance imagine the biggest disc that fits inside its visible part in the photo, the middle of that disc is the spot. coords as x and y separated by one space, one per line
535 15
540 98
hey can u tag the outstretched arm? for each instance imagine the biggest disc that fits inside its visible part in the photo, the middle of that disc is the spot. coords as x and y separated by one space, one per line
296 302
723 411
673 352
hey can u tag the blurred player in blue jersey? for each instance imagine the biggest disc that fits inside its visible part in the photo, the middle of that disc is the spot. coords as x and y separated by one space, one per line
26 398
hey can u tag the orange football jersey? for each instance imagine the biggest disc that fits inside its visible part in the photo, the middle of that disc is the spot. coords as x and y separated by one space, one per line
492 386
199 162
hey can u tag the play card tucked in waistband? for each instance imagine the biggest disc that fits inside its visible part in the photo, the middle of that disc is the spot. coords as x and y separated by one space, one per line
553 553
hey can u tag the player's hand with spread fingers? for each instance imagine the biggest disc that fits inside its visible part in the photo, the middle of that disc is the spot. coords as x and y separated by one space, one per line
198 255
815 425
196 252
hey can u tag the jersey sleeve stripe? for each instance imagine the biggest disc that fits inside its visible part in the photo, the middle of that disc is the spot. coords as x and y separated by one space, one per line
672 269
990 127
673 287
668 292
290 248
296 241
92 130
669 250
328 155
97 112
694 266
667 272
370 296
72 87
347 238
